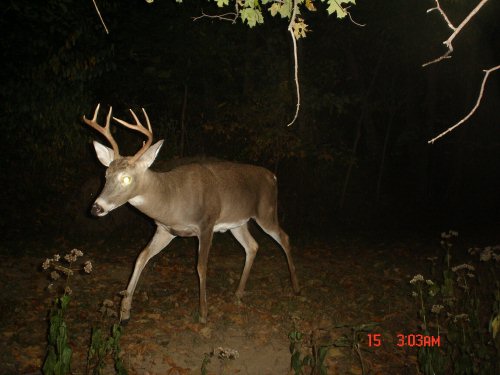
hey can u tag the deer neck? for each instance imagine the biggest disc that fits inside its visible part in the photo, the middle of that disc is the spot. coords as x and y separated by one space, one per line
154 194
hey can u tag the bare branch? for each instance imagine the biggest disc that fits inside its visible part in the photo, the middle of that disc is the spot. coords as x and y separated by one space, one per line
231 17
352 20
443 14
456 30
478 102
99 14
295 60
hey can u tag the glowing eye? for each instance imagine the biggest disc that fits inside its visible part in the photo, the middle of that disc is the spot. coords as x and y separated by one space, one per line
126 180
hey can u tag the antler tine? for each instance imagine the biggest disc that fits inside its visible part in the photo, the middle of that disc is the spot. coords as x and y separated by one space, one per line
147 120
140 128
104 130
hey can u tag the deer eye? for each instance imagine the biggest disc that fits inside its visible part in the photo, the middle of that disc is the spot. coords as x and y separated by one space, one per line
125 180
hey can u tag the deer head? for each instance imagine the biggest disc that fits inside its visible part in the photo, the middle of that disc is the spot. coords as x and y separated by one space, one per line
123 174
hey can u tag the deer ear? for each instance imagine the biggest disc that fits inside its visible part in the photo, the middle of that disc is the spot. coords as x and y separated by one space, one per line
104 154
150 155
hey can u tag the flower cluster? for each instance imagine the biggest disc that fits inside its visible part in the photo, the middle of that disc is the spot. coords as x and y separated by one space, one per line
486 254
448 237
59 269
226 353
464 266
107 309
416 279
436 309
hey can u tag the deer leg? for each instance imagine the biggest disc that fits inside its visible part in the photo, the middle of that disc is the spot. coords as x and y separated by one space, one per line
274 230
205 240
161 239
242 234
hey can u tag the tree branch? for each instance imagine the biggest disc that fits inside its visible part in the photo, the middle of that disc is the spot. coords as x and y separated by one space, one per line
223 17
100 17
456 30
478 101
295 60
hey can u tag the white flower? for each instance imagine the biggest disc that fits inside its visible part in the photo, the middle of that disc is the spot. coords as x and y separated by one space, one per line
46 264
463 317
87 267
226 353
486 254
436 309
77 253
463 266
416 279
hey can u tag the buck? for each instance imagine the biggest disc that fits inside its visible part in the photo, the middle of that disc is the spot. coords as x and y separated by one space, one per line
192 200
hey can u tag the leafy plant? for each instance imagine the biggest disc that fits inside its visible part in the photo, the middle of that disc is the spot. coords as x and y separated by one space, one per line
313 361
205 363
458 309
101 347
308 357
224 355
58 359
59 352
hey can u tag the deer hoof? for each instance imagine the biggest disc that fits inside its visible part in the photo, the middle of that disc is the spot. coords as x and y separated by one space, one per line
124 322
237 299
239 295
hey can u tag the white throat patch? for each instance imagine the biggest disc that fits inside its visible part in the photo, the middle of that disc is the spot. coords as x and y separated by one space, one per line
136 201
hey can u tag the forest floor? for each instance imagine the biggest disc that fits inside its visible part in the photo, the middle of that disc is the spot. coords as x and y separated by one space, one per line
346 283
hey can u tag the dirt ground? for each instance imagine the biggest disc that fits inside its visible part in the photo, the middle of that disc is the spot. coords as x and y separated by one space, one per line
345 283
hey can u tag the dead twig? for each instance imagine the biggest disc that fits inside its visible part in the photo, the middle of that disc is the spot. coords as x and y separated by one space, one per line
456 30
100 17
478 101
295 60
232 17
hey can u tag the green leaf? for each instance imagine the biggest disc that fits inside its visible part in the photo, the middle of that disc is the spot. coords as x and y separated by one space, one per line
274 9
296 362
221 3
335 6
286 9
322 353
251 16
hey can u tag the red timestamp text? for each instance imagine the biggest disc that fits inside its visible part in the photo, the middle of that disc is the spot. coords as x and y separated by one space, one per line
410 340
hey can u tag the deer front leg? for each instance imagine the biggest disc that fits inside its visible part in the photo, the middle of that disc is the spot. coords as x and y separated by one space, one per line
161 239
205 240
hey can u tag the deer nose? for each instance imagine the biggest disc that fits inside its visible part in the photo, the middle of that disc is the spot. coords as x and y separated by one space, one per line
96 210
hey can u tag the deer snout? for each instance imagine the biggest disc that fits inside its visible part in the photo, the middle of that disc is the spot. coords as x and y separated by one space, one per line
97 210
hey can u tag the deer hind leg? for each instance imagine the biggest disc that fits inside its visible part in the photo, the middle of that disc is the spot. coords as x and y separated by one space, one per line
205 241
269 224
242 234
161 239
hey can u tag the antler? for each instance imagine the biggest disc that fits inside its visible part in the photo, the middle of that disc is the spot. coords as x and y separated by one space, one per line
104 130
140 128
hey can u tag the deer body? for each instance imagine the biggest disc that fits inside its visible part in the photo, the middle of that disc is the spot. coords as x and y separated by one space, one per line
191 200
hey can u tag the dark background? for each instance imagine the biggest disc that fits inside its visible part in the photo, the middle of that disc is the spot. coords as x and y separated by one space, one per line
231 89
